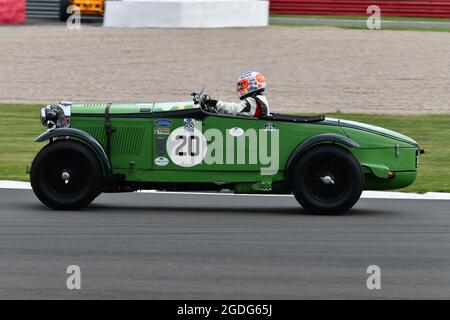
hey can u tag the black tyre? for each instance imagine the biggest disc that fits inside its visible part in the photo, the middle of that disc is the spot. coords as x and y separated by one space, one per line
66 175
63 5
328 179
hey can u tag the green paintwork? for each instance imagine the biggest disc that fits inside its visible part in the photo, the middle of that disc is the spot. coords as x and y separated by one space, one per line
130 108
138 141
378 129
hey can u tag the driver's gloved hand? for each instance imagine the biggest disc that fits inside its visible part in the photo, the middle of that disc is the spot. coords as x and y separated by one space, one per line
208 102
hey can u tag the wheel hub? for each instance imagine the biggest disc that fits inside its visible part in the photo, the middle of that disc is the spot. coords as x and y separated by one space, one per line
65 176
327 180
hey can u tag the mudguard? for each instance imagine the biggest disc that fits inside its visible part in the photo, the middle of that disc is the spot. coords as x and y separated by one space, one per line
85 138
331 138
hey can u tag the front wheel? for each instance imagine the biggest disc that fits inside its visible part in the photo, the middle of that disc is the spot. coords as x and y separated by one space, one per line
66 175
328 179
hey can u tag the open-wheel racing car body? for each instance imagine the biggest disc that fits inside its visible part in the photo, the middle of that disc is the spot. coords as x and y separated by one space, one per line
324 162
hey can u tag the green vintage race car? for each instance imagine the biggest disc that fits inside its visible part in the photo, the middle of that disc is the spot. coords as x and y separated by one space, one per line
184 146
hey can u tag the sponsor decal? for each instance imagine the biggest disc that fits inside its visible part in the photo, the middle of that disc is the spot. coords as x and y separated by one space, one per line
161 161
162 131
236 132
189 124
163 123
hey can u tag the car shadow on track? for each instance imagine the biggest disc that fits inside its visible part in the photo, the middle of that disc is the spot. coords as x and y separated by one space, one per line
196 209
125 209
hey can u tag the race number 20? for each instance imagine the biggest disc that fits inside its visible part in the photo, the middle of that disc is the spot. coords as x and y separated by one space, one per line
191 142
186 148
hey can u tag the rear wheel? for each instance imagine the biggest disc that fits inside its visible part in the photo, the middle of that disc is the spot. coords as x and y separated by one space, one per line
328 179
66 175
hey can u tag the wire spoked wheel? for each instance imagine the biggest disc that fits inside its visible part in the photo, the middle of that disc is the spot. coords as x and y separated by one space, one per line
66 175
328 179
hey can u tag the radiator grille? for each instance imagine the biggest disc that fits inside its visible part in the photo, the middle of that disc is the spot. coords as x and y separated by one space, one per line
95 130
127 140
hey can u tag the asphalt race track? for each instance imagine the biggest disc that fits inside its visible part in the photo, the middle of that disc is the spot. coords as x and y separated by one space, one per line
166 246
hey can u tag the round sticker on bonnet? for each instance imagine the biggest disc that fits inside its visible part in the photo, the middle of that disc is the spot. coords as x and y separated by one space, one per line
186 147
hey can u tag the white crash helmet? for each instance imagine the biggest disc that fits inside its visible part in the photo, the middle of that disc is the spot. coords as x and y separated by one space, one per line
249 83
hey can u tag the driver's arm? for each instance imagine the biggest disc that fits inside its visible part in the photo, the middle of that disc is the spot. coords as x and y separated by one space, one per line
231 107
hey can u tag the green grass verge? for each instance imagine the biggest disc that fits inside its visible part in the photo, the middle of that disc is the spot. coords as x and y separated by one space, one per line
19 125
422 29
395 28
351 17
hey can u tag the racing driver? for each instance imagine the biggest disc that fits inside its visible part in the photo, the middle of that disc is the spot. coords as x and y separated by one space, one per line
250 88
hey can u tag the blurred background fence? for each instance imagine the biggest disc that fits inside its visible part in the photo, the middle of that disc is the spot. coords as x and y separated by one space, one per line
10 10
48 9
411 8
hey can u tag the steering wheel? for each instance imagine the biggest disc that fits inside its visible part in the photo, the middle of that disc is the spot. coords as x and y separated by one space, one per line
207 108
198 99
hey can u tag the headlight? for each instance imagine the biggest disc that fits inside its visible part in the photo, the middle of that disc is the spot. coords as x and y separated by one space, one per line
49 116
56 116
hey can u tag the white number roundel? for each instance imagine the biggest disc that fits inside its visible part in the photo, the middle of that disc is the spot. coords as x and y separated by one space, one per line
186 148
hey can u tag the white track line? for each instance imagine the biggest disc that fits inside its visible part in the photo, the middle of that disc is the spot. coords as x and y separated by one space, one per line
5 184
405 195
365 194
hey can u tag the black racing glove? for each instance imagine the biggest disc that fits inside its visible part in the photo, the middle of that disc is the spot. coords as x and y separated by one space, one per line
208 103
